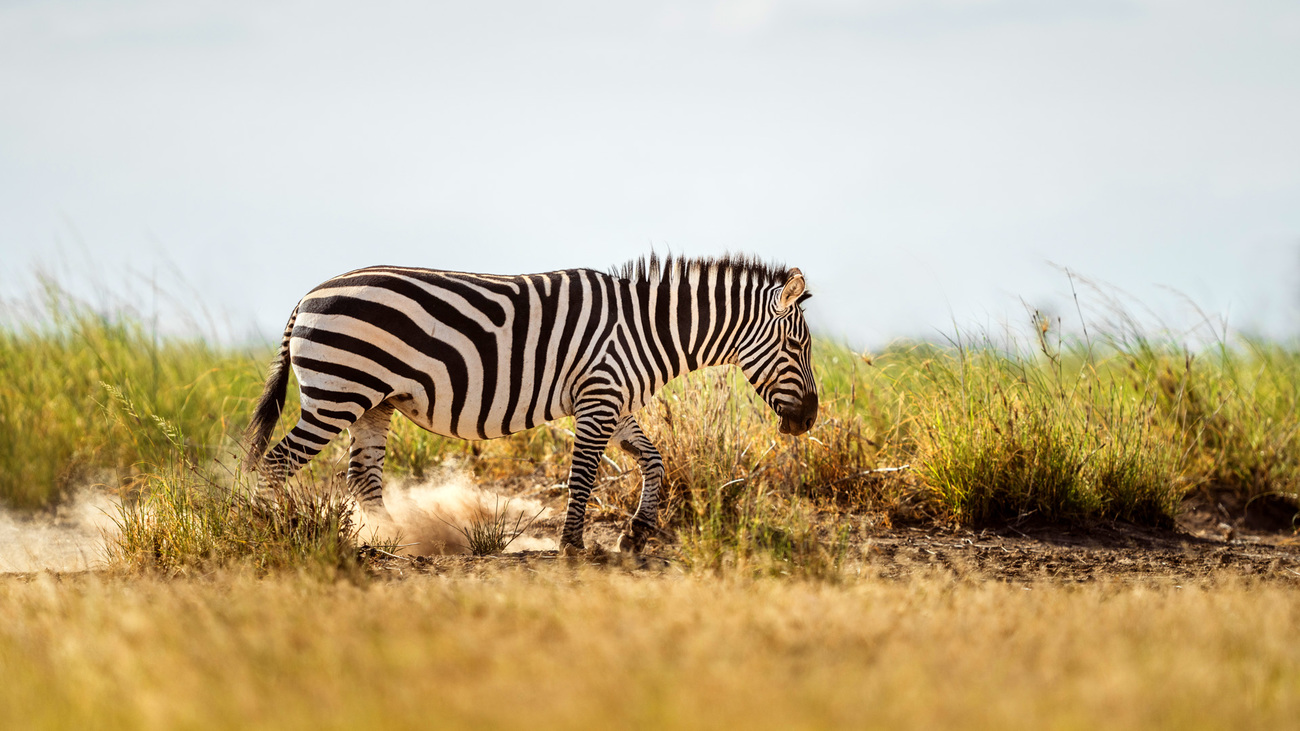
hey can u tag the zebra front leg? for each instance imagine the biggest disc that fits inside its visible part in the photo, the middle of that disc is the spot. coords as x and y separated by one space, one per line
632 440
592 436
366 462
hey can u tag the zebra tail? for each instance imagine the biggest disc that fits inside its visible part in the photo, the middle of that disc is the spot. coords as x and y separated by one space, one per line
267 412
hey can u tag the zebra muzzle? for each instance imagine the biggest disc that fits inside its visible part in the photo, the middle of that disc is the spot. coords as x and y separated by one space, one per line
801 419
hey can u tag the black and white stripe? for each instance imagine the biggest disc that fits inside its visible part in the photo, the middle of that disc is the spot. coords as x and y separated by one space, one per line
478 356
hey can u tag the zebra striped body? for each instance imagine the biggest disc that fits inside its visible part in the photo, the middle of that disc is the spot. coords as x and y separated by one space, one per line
465 355
479 356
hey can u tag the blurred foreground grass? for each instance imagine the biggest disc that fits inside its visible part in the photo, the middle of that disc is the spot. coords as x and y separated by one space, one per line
557 647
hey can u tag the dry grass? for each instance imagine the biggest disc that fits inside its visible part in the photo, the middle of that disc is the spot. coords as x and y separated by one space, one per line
1120 426
493 532
183 632
585 648
186 521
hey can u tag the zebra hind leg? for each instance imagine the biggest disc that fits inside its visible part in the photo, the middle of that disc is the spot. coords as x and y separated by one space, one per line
366 462
632 440
303 442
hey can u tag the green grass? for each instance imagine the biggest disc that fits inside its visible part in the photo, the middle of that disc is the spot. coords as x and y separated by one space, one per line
87 397
1118 426
1062 439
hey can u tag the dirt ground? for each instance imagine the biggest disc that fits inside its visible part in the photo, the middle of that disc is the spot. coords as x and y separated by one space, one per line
1211 538
1089 553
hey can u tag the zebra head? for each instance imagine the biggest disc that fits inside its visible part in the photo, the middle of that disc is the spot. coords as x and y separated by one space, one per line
777 356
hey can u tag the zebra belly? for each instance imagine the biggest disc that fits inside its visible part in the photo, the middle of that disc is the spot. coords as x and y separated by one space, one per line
414 406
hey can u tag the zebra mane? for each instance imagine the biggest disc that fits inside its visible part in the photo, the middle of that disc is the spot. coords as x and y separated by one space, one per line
653 270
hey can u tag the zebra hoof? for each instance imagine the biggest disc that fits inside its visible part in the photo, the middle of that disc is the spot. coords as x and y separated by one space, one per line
376 511
570 550
630 543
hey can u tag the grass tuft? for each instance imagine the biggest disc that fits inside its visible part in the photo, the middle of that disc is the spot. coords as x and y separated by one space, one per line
180 516
487 535
186 522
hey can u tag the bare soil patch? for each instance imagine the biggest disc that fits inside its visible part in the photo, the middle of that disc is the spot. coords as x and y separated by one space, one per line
1080 554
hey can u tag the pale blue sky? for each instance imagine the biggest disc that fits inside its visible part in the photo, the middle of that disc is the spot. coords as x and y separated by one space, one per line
920 161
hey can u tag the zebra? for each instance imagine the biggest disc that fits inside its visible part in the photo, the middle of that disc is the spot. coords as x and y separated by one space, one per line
478 356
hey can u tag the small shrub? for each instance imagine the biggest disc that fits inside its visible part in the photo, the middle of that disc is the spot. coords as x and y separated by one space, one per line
179 517
185 521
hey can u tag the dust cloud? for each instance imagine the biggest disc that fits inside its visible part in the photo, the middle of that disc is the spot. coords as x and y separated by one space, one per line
72 538
426 520
427 517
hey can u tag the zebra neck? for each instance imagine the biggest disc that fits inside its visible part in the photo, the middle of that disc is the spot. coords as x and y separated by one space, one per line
688 324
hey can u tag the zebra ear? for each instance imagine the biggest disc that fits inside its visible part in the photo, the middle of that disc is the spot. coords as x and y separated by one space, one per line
791 292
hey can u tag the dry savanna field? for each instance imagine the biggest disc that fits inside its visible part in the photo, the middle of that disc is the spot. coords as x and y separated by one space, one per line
1054 531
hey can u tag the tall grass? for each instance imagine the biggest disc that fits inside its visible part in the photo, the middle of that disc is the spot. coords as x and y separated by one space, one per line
1236 412
1003 436
1116 426
735 490
89 396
